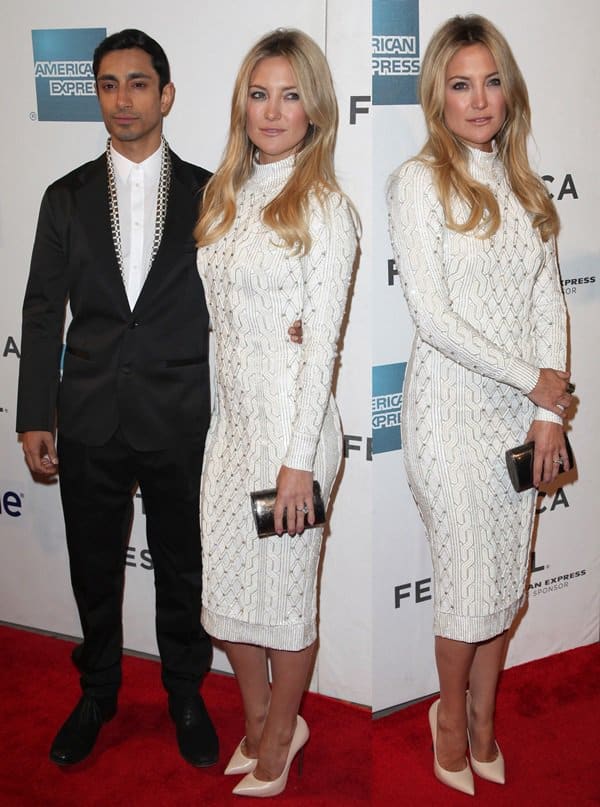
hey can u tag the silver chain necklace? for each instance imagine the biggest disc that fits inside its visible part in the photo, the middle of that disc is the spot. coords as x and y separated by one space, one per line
162 198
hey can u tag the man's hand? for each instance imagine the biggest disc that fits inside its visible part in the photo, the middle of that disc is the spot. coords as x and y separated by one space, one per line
295 332
40 453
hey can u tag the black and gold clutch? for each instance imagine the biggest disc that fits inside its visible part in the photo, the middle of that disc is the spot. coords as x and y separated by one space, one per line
519 462
263 506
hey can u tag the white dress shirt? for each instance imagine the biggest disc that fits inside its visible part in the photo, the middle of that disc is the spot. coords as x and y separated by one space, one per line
137 192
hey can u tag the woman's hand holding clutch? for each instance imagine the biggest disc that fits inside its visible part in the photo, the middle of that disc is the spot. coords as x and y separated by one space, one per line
295 497
550 454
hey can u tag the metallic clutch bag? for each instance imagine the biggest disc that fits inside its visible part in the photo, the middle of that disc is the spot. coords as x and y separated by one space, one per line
519 462
263 505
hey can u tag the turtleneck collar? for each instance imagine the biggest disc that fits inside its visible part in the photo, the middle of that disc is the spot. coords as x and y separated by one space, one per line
270 175
485 164
480 157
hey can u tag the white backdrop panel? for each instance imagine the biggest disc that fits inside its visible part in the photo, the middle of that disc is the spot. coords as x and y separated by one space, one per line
346 616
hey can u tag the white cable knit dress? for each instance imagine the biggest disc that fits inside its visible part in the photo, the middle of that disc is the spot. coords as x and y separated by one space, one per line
488 314
273 406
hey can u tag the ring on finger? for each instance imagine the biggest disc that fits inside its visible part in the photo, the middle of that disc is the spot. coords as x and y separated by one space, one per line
561 407
558 461
303 509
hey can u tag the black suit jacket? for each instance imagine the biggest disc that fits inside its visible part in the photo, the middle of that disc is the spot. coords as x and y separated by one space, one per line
144 370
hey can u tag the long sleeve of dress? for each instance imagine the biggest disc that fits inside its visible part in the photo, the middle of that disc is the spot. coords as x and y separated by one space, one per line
326 271
549 321
416 223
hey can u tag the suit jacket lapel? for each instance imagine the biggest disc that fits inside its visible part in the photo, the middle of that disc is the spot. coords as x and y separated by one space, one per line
95 218
177 235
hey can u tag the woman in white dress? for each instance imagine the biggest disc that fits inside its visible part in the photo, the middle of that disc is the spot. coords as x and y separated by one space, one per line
277 242
473 231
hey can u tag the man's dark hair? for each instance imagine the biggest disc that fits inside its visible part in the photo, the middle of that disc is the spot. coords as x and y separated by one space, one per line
132 38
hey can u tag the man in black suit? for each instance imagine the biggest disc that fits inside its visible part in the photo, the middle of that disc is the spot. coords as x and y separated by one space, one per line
114 237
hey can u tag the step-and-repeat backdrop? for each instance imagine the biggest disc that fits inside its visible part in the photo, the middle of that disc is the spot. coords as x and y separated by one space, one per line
555 47
52 125
375 616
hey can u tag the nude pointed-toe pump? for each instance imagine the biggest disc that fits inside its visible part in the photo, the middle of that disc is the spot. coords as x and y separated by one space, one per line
251 786
239 762
459 780
493 771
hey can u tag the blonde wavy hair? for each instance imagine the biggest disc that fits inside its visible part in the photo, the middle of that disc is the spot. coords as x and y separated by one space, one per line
448 154
287 213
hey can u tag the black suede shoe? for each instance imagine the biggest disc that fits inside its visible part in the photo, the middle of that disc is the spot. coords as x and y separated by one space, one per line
196 735
79 733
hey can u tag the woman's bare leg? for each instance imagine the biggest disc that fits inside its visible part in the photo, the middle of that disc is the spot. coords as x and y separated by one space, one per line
483 684
290 671
249 663
454 660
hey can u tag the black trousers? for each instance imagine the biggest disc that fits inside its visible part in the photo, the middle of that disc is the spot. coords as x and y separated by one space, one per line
97 485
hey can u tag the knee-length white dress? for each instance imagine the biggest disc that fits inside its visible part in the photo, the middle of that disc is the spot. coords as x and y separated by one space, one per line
273 406
488 314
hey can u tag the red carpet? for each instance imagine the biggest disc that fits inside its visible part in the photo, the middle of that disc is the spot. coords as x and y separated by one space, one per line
135 762
548 726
